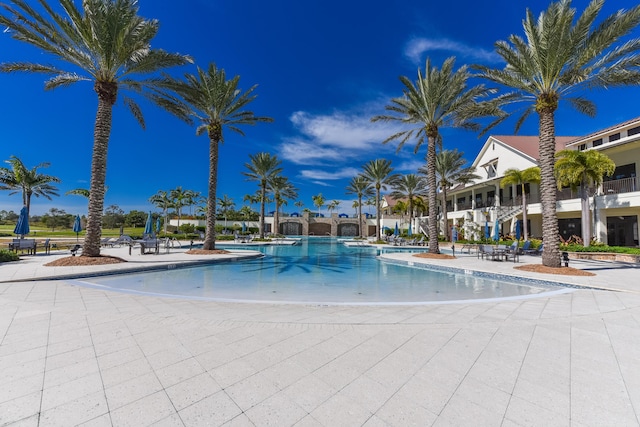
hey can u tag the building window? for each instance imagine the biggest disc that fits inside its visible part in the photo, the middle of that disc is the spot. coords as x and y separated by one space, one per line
598 142
582 147
614 137
492 170
633 131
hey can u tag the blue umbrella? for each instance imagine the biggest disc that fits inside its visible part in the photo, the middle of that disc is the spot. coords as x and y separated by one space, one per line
244 227
22 227
518 229
158 225
496 231
148 228
77 226
396 230
409 231
486 229
454 234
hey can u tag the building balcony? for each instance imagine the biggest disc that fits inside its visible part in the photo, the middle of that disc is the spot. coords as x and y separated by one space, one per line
617 186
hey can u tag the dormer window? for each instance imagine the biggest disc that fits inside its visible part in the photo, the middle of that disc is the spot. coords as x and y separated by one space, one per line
491 168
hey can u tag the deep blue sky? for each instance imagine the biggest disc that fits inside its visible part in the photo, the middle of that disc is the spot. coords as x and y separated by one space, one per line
323 69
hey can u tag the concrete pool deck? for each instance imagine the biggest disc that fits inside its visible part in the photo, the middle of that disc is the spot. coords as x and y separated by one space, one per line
79 356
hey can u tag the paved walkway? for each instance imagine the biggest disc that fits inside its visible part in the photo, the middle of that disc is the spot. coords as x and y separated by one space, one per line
79 356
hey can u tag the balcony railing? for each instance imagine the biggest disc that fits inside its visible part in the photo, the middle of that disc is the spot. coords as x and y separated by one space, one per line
617 186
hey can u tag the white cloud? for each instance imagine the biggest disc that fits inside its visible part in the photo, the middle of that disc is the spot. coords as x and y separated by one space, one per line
410 166
338 138
416 48
323 175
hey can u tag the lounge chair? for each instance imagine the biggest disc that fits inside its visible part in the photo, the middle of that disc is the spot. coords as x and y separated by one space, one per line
525 247
536 251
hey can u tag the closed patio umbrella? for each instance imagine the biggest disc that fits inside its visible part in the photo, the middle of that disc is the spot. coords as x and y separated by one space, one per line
244 227
22 226
158 225
409 232
77 226
148 228
486 230
518 229
454 234
496 231
395 232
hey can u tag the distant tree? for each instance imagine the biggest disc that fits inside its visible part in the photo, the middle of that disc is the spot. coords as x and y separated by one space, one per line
20 179
105 43
163 201
262 168
179 199
113 217
217 104
282 189
56 218
361 187
299 204
380 174
135 218
226 205
409 186
318 202
515 176
579 169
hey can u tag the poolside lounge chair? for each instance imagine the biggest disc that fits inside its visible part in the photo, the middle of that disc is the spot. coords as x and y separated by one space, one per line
525 247
536 251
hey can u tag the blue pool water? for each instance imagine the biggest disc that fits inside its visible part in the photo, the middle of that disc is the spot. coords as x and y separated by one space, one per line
317 270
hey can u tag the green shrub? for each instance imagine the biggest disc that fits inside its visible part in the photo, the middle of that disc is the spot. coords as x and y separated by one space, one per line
600 248
8 256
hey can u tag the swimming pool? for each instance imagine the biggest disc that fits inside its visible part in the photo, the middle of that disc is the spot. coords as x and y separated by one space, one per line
318 270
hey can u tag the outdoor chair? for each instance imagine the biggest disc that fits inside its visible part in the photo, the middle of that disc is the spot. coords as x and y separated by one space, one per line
536 251
525 247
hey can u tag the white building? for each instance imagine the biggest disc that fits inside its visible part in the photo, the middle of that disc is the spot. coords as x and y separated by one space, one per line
615 204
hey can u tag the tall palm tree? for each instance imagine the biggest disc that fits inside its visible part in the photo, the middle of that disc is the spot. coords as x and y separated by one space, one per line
521 177
162 200
564 58
580 169
380 174
409 186
20 179
216 104
282 189
262 168
450 171
104 42
318 201
361 187
440 98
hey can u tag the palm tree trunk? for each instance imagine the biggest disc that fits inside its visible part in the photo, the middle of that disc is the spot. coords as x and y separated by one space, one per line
360 216
210 232
379 235
106 98
551 252
276 218
432 195
525 228
444 213
586 214
263 193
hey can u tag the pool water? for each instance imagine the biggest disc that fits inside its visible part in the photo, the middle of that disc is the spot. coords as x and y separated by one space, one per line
317 270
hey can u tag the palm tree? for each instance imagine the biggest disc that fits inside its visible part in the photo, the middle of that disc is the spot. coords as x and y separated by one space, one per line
282 190
106 43
163 201
262 168
333 206
299 204
450 171
216 104
564 58
179 199
438 99
521 177
379 174
361 187
580 169
318 201
20 179
409 186
226 204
